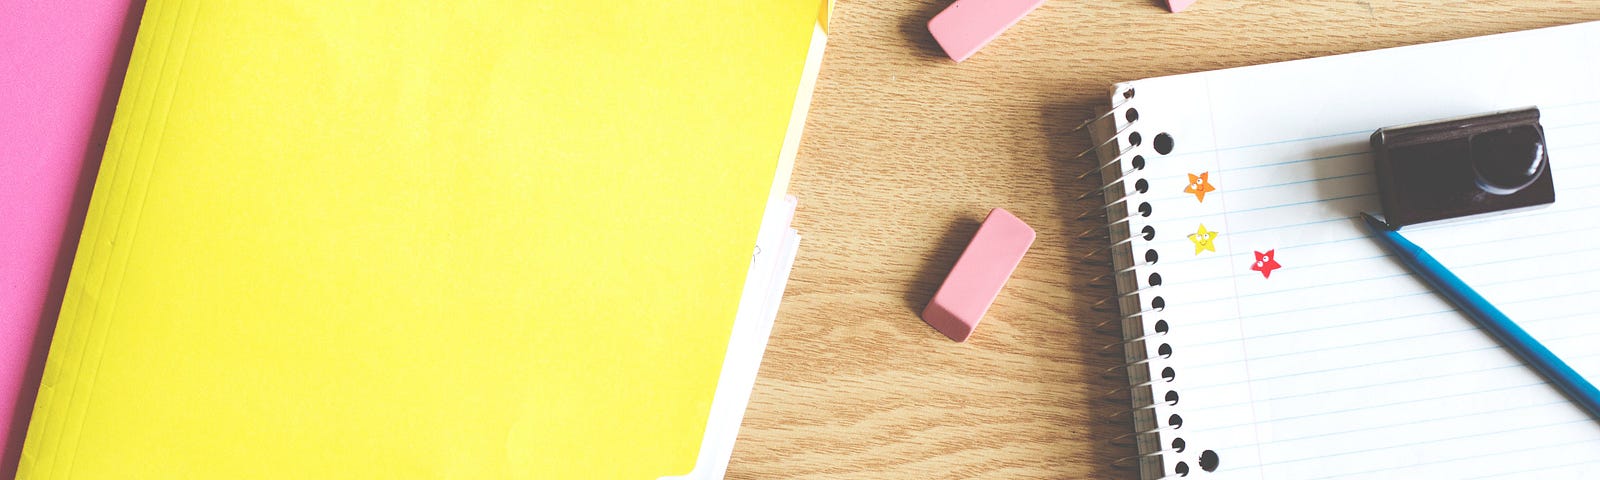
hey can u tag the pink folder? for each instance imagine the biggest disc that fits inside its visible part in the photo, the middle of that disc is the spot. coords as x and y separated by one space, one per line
61 66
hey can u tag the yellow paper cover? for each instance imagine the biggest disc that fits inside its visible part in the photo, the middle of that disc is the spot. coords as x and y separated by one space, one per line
412 239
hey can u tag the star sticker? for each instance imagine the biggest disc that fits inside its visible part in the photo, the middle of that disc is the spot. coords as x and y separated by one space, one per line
1265 263
1199 185
1204 239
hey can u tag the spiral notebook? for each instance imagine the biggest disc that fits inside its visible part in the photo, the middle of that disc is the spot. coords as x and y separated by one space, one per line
1267 337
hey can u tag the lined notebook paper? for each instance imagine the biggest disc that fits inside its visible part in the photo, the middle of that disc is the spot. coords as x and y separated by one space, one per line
1273 339
493 239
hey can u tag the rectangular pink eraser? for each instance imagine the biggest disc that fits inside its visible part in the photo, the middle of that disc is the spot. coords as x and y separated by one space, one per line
967 25
977 277
1176 6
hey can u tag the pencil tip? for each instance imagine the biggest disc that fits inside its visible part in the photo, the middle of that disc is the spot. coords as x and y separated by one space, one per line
1374 222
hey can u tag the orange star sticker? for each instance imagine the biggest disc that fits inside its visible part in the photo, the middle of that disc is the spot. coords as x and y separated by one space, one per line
1199 185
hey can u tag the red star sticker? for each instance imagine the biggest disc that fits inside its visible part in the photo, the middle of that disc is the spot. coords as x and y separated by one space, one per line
1265 263
1199 185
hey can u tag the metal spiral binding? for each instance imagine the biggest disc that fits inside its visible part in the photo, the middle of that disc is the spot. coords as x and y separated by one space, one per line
1152 410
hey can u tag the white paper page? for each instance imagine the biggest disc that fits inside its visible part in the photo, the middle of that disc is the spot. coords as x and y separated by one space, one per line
1341 363
773 259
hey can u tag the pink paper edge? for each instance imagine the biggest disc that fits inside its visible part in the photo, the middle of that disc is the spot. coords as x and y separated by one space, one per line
59 80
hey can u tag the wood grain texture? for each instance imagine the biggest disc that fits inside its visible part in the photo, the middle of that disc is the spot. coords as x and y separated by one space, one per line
905 152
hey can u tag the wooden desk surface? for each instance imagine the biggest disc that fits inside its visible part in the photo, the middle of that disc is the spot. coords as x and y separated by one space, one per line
905 151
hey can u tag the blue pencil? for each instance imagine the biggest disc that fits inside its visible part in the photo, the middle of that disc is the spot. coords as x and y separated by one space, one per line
1490 318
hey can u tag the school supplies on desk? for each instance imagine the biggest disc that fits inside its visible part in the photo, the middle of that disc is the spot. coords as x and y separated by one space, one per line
485 240
59 73
1465 167
1269 337
1503 328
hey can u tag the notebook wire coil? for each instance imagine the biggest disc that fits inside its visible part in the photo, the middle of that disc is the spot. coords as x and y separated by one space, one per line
1153 412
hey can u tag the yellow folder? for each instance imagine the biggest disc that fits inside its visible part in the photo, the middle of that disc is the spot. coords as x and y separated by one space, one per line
415 239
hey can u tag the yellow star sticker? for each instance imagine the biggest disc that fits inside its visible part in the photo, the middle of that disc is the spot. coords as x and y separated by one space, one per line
1204 240
1199 185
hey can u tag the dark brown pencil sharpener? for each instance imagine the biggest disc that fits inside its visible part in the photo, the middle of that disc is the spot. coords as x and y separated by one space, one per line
1461 167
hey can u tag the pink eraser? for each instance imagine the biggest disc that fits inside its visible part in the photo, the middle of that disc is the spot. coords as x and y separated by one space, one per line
980 272
967 25
1178 5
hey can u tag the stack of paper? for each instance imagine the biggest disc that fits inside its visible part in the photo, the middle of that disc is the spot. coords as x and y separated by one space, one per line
486 240
769 274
